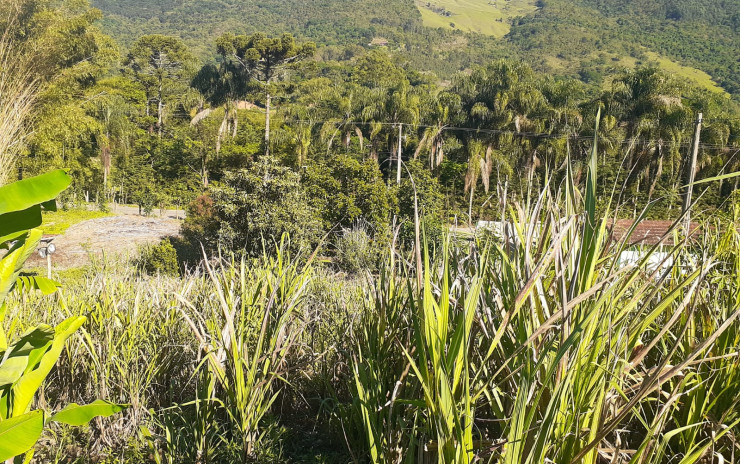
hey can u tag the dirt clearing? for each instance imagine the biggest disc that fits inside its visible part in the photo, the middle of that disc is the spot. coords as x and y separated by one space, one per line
115 236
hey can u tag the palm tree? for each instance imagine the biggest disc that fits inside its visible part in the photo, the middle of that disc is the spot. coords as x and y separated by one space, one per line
303 115
112 105
220 86
649 105
386 110
343 107
440 110
505 103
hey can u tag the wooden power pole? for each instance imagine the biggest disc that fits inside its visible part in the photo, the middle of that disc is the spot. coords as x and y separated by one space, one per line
691 175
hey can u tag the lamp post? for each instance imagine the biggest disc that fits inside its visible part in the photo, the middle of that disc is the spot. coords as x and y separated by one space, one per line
45 252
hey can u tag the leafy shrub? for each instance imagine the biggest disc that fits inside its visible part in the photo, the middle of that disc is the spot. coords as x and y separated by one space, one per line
200 224
256 205
356 250
346 190
430 201
160 258
432 233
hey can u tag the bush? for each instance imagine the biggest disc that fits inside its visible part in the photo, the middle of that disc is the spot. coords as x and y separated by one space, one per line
260 205
160 258
432 233
430 200
200 225
346 190
356 250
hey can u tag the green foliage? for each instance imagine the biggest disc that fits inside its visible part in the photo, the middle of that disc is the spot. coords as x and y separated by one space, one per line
421 188
159 258
76 415
253 208
356 252
421 185
162 65
27 361
344 381
123 141
558 36
346 191
201 225
256 338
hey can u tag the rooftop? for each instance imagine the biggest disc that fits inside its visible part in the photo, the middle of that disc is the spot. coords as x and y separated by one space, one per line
649 232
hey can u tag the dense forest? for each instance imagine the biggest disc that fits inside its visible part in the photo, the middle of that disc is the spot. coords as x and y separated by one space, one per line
587 39
155 125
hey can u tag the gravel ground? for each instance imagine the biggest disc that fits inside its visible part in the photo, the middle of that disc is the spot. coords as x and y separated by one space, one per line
117 235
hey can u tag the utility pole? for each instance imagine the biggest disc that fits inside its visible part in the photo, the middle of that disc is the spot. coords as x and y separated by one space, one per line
400 139
691 174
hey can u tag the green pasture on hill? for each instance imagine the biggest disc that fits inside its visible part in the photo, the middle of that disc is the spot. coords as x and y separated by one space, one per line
490 17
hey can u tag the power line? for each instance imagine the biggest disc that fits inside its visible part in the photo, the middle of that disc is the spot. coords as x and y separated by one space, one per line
542 135
538 135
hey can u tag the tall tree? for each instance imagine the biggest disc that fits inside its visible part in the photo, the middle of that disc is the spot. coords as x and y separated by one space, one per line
386 110
263 60
163 65
649 103
503 101
440 110
115 104
303 115
58 47
343 107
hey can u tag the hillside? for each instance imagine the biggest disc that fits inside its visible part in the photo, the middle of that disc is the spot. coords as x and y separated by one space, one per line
591 35
590 39
490 17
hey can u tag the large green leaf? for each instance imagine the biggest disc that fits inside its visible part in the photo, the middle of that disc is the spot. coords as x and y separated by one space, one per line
27 386
76 415
27 351
19 434
44 285
26 193
12 263
18 221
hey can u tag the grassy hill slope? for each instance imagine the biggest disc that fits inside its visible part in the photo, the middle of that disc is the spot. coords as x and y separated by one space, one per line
491 17
578 32
590 39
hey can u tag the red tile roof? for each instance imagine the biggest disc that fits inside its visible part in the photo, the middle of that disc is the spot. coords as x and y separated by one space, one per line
649 232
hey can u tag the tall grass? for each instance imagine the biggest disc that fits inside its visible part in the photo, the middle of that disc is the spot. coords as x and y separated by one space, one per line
538 347
17 96
248 336
535 346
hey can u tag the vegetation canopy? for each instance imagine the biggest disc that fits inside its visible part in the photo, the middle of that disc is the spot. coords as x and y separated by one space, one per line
392 232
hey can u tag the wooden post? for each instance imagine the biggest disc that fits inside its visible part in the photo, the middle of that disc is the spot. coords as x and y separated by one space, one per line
400 139
691 175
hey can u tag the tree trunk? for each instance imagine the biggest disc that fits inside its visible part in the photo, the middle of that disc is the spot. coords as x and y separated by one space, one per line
160 110
399 160
658 173
267 124
222 130
236 124
470 205
204 168
347 140
105 158
420 146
